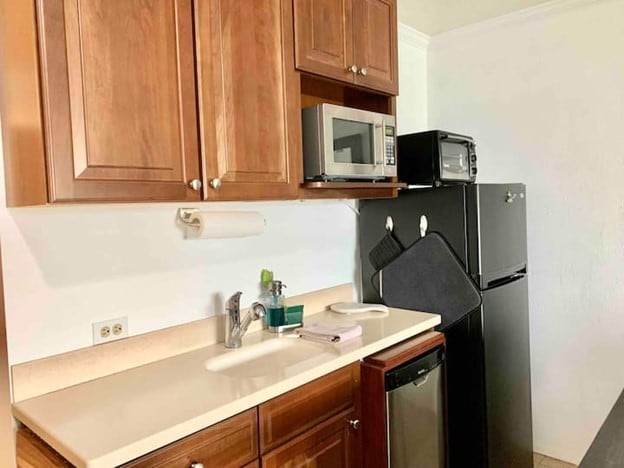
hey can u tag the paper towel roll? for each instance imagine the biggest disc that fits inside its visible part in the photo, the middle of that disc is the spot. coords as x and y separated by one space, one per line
223 224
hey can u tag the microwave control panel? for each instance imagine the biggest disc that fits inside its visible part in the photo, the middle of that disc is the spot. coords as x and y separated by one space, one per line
389 145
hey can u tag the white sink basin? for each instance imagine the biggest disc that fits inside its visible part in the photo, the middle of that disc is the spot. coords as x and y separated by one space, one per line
284 356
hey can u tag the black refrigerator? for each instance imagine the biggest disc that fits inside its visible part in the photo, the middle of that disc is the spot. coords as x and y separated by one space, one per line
488 364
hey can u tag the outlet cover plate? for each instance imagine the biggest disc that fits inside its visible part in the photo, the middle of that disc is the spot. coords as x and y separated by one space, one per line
120 325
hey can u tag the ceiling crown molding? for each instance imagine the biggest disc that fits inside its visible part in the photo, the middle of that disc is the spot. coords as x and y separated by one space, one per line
544 10
413 37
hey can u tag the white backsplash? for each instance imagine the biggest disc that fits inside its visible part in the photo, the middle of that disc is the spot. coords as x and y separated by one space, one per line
68 266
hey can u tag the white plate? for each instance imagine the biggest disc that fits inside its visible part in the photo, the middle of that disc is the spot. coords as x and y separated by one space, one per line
357 308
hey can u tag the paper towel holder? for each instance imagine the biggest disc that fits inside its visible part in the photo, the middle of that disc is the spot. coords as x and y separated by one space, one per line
185 215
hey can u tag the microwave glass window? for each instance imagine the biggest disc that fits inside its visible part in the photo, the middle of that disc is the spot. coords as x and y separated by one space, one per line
353 142
455 163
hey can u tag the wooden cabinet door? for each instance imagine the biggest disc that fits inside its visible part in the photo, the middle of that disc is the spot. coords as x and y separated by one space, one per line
248 99
324 38
330 444
119 99
375 31
299 410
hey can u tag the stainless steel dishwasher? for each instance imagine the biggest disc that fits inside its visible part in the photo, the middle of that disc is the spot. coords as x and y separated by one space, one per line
415 409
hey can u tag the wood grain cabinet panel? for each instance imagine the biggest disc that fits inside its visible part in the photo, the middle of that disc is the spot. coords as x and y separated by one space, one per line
231 443
248 99
32 452
324 38
119 99
327 445
353 41
375 30
295 412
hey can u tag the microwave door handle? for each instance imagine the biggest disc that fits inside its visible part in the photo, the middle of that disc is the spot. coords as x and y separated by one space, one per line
378 142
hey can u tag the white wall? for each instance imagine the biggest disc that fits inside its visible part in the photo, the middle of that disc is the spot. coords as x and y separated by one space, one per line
412 100
66 267
543 93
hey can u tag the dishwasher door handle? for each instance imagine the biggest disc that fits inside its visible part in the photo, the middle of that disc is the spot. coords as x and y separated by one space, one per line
420 381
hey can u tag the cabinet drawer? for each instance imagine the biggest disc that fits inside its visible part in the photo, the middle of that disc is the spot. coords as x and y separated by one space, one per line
297 411
231 443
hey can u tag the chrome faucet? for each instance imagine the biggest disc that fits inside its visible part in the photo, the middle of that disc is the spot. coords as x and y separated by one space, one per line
234 328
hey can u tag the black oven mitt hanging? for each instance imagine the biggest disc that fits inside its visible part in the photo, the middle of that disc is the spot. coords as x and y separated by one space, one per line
428 277
387 249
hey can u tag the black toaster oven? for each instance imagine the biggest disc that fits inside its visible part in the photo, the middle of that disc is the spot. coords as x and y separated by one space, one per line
436 158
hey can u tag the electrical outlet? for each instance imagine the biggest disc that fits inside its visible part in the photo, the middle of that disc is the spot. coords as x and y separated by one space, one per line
110 330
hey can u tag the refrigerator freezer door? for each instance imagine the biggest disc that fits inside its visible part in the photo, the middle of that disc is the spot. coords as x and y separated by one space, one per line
507 375
496 219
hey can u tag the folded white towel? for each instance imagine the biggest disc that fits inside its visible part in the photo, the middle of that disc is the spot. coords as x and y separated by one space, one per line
329 333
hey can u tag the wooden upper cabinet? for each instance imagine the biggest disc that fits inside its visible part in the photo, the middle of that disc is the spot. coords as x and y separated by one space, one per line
324 38
354 41
248 99
375 30
118 85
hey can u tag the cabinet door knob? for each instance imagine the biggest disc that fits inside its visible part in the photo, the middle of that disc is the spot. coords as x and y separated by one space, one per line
195 184
362 71
196 465
354 423
215 183
352 69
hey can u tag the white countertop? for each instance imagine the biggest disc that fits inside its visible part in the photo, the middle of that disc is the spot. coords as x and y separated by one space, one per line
114 419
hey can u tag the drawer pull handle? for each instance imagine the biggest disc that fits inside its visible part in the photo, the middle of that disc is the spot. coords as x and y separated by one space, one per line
196 465
354 423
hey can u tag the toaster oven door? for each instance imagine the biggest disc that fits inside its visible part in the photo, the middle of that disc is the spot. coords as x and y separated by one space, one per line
454 159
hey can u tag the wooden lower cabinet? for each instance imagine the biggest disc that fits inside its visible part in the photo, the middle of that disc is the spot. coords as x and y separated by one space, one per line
32 452
331 444
315 425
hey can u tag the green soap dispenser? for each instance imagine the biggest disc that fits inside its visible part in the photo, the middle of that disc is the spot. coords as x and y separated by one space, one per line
276 307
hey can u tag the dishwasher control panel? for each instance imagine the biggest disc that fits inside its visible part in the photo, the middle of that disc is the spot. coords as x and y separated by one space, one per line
414 369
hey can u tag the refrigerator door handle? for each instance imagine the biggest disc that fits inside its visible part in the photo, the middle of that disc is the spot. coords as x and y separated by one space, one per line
504 281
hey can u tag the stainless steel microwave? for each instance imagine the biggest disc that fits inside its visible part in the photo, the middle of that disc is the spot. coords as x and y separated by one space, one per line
341 143
437 158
